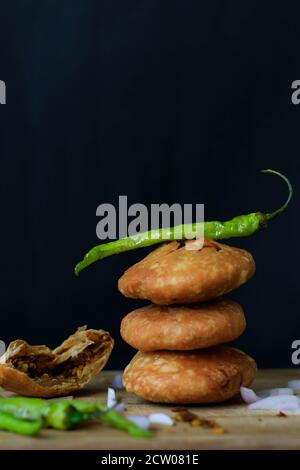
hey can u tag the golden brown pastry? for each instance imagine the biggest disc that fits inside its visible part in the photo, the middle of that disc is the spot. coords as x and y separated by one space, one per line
178 327
203 376
171 274
37 371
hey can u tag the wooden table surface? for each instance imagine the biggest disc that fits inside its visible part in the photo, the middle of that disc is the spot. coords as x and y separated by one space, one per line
244 429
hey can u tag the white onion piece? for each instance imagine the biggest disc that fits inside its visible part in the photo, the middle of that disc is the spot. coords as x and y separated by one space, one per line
111 398
141 421
193 245
117 381
161 418
248 395
274 392
2 348
120 408
279 403
112 401
294 384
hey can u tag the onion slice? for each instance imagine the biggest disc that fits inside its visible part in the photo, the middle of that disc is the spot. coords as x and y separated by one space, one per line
161 418
279 403
112 401
294 384
193 245
111 398
120 408
117 381
248 395
142 422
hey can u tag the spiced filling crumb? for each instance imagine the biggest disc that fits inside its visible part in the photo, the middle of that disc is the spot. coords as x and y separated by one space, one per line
186 416
46 368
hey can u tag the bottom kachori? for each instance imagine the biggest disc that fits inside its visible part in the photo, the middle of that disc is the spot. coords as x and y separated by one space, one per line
184 377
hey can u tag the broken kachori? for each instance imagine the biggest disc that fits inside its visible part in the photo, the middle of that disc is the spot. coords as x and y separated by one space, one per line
37 371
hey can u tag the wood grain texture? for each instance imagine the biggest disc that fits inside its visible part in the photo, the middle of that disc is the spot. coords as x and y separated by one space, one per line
244 429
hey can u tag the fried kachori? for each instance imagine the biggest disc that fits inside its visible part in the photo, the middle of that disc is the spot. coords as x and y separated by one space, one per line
172 274
180 327
203 376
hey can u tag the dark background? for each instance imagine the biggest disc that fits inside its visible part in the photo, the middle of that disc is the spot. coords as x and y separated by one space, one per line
163 101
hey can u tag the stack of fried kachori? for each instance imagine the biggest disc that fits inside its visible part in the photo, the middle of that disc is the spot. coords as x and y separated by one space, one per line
178 336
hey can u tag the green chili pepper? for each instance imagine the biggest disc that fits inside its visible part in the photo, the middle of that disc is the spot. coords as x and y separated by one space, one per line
240 226
59 414
111 417
25 408
118 421
9 422
62 414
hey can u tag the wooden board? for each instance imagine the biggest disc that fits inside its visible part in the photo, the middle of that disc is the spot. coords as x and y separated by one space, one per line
244 429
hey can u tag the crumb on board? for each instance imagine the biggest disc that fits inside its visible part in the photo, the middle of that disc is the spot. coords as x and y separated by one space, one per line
185 416
218 430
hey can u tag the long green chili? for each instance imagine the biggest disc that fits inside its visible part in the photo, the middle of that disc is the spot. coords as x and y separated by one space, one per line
25 408
240 226
9 422
63 415
110 417
29 415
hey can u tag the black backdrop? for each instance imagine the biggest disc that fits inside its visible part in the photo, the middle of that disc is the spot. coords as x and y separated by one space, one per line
163 101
